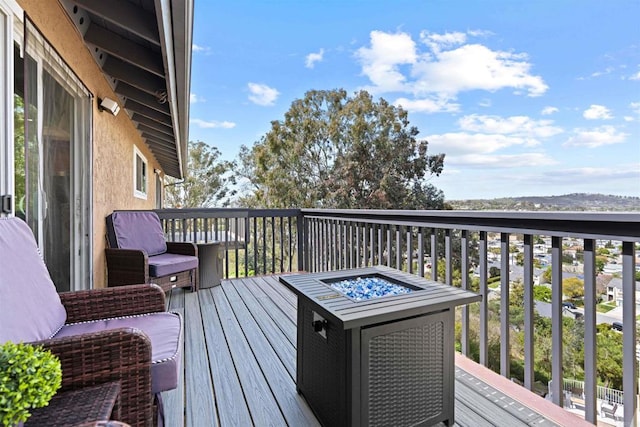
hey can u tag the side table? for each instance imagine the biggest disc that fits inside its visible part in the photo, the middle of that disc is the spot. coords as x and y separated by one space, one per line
209 264
86 406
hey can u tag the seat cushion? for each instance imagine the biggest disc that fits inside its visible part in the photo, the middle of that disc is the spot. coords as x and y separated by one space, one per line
165 333
166 264
30 308
136 230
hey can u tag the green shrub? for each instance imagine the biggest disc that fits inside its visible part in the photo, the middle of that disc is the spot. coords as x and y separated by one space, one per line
29 377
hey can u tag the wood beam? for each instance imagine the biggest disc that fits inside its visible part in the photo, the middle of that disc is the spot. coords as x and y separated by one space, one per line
137 77
126 15
125 49
156 134
136 107
144 98
152 124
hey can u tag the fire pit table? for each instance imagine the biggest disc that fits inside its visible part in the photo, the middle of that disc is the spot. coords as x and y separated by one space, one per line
375 346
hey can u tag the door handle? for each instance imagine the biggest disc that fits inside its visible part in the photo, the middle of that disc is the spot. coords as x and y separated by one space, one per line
6 204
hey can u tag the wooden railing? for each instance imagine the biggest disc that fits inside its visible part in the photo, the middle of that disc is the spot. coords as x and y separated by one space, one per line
275 241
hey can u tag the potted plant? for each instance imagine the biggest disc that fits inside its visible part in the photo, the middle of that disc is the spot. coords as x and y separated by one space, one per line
29 377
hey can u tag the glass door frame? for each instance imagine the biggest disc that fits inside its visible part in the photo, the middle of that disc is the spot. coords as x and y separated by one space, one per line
9 10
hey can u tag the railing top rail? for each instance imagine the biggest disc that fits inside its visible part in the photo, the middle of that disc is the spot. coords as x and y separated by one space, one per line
598 225
174 213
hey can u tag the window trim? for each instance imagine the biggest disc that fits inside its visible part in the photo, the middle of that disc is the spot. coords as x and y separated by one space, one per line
138 193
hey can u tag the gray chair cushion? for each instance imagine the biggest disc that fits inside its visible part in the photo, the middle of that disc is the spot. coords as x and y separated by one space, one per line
136 230
166 264
30 308
164 331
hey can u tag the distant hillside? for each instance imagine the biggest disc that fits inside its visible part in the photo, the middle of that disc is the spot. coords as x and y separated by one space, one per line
567 202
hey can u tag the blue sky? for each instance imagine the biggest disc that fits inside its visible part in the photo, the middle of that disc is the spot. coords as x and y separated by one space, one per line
524 97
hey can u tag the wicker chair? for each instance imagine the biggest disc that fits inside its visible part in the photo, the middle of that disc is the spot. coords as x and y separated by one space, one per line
115 334
139 253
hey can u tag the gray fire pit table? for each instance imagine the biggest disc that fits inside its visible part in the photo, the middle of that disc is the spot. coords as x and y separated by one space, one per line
385 361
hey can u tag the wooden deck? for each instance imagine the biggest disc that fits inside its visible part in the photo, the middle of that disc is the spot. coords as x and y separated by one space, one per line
239 364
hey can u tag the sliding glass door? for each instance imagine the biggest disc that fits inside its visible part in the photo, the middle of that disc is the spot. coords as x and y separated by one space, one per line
52 153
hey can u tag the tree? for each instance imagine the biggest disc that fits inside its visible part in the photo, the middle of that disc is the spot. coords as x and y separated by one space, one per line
542 293
494 271
335 151
601 261
573 287
208 182
546 275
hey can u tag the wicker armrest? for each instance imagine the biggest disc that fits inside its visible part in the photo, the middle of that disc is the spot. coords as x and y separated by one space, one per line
112 302
116 355
182 248
127 266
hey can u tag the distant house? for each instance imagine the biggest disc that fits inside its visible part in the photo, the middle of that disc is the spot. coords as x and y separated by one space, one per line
94 113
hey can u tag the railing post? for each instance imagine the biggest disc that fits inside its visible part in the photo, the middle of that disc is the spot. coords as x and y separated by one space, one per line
421 252
301 229
410 249
529 354
484 304
434 254
505 348
447 256
629 362
464 267
556 321
590 350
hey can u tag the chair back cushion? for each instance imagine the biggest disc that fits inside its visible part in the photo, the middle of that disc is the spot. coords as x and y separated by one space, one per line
30 308
136 230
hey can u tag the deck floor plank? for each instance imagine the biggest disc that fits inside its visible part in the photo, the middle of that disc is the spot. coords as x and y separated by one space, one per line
233 409
293 406
272 332
262 404
174 399
239 349
200 396
270 287
276 311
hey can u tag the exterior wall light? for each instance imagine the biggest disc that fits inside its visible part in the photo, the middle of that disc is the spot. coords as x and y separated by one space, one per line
108 104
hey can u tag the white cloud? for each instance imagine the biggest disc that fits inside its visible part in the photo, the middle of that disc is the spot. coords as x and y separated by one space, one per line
597 137
504 161
462 143
380 63
628 118
606 71
635 107
262 94
597 112
515 125
549 110
445 65
598 175
198 48
436 105
476 67
485 103
635 76
212 124
193 98
437 42
312 58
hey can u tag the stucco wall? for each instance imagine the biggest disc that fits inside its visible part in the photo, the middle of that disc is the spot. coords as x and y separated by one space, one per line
113 137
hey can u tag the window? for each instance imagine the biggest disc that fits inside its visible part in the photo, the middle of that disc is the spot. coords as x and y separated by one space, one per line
139 174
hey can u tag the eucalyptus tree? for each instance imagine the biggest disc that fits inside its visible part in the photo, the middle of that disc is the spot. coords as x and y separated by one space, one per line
209 182
336 151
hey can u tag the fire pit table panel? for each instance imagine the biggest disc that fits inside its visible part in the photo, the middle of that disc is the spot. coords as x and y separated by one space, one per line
379 361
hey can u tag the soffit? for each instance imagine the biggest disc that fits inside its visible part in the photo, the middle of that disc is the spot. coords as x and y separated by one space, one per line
144 50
